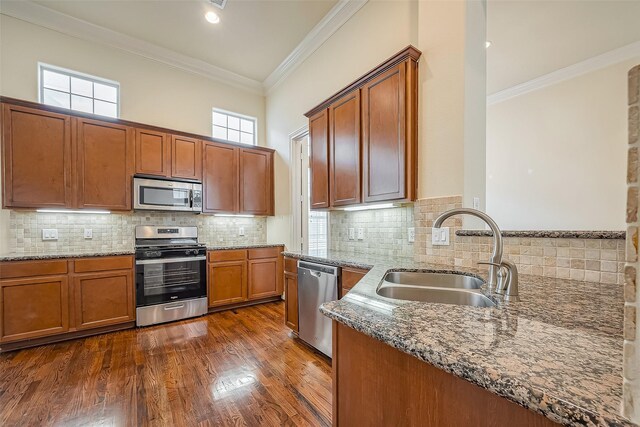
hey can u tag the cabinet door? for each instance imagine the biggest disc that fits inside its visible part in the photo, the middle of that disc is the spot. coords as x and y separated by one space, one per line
186 157
291 300
384 138
220 178
105 164
344 149
153 153
350 277
33 307
103 299
265 278
37 158
256 182
227 283
319 159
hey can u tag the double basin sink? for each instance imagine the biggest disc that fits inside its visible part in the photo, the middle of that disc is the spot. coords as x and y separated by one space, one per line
443 288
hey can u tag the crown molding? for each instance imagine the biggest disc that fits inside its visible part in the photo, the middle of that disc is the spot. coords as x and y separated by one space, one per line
332 21
592 64
42 16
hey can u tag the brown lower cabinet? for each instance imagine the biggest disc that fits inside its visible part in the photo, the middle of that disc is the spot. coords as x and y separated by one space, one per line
243 276
291 293
365 374
349 278
55 298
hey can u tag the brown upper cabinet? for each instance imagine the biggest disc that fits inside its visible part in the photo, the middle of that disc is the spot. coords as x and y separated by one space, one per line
166 155
153 153
256 181
388 137
221 178
344 148
56 158
372 137
105 164
186 157
319 159
37 158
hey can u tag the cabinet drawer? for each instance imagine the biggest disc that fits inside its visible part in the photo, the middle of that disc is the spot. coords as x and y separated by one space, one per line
227 255
86 265
265 252
291 265
13 269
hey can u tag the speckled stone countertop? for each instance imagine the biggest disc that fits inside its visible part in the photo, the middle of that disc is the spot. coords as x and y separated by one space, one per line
548 234
558 352
247 246
16 256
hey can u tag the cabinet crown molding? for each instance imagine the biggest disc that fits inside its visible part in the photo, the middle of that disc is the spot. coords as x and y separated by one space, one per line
410 52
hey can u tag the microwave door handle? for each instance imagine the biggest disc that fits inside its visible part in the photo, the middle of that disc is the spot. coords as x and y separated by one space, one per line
191 199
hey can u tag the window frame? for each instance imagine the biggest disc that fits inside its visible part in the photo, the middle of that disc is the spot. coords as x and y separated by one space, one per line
42 66
237 116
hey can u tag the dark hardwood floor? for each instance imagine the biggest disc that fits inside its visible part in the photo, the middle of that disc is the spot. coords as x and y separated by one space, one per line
237 367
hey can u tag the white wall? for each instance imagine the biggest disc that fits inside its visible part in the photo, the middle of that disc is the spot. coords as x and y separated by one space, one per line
556 157
151 92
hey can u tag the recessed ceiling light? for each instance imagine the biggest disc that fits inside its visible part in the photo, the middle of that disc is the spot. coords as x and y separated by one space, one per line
212 17
488 44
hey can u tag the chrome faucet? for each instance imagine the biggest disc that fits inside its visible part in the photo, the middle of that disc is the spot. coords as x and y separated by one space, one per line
496 257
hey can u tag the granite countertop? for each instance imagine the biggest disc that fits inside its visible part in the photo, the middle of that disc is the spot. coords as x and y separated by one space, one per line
25 256
18 256
554 234
223 246
558 352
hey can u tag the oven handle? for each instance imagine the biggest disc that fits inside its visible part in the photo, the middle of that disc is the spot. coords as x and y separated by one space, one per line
170 260
174 307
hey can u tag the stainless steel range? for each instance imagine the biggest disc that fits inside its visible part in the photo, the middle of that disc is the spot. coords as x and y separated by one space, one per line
171 274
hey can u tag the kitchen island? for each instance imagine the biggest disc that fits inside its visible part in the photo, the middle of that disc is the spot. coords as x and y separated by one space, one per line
557 352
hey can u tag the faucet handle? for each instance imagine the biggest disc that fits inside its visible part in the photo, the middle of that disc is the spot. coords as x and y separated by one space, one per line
490 263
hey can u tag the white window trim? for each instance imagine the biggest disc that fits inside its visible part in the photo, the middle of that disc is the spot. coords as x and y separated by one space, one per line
240 116
44 65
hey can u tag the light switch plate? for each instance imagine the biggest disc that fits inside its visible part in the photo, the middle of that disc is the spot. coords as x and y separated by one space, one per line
411 234
88 233
360 233
49 234
241 231
440 236
476 203
352 233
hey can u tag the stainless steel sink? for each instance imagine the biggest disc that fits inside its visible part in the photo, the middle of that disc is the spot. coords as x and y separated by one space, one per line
434 280
435 295
443 288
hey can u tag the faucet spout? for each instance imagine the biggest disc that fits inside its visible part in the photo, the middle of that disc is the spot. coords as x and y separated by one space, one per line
496 256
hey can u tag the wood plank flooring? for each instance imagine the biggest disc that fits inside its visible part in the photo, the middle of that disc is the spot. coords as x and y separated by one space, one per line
239 367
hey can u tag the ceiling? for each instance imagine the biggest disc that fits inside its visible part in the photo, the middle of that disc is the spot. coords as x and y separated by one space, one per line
533 38
252 38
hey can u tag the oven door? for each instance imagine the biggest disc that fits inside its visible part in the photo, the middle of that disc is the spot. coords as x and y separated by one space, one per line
152 194
170 279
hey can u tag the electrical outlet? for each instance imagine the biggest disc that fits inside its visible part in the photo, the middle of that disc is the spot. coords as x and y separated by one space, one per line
352 233
241 231
49 234
88 233
440 236
476 203
360 233
411 234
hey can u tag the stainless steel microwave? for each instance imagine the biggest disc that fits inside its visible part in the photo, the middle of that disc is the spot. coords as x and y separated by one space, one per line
166 195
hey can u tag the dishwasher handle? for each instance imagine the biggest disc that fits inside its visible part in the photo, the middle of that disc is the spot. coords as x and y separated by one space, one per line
318 269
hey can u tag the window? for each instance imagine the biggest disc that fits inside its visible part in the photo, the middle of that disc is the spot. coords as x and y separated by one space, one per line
234 127
318 228
77 91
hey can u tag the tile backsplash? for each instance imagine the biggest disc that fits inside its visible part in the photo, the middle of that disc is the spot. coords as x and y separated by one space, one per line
385 231
116 231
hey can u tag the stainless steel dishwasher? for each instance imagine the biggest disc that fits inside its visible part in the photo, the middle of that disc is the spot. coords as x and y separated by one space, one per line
317 284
